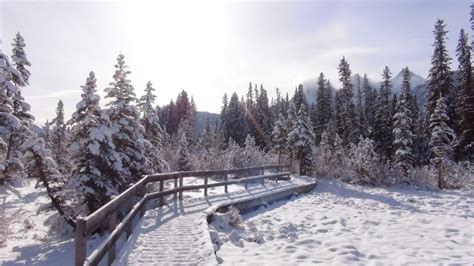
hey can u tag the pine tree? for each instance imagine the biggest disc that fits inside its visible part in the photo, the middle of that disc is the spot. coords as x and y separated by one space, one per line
440 142
465 144
9 123
301 141
234 122
279 136
325 150
47 134
59 140
439 77
183 163
125 119
403 125
153 132
383 118
96 166
369 105
264 120
345 112
19 57
323 111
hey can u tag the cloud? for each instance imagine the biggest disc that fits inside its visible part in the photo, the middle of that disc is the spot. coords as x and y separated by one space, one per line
56 94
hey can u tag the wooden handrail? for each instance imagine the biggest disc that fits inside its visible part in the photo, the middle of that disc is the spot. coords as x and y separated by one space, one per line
107 214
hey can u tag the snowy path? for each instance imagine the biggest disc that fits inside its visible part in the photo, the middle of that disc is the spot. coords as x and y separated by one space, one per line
344 224
178 233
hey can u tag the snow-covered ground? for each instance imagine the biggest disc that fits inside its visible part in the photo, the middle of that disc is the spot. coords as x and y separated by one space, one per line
35 238
340 223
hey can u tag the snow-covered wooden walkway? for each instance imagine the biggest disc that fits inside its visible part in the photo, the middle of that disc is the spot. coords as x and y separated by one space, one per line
177 233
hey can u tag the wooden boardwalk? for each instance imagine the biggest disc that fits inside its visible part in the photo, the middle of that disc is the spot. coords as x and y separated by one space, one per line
177 233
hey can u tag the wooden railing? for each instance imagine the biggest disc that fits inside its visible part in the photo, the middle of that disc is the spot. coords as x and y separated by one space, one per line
134 199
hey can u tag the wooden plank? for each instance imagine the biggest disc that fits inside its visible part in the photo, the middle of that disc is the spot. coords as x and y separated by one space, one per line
205 186
129 228
97 218
112 225
162 200
175 195
105 246
180 187
80 241
155 195
226 186
162 177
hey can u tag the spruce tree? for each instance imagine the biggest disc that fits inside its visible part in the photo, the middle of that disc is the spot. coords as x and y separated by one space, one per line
383 118
279 136
60 141
439 76
234 123
153 132
125 119
465 144
19 57
403 125
183 163
323 111
301 141
264 120
345 111
440 141
9 123
369 98
95 169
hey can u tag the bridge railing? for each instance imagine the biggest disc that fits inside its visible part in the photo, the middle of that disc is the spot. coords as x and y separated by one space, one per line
134 200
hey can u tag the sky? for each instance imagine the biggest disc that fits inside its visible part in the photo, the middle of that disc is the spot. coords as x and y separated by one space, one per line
209 48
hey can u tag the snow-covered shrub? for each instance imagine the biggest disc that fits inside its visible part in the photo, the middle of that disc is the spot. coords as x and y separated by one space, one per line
365 162
235 220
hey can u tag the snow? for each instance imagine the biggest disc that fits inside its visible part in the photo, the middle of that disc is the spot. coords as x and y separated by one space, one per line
35 238
340 223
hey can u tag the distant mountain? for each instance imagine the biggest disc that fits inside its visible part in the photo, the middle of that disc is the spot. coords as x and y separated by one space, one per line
418 85
201 121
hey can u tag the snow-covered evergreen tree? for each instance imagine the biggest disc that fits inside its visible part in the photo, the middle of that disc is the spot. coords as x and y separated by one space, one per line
279 136
46 134
440 142
125 118
323 110
383 127
465 144
183 160
153 130
345 106
403 125
234 122
439 76
50 178
264 120
95 172
301 141
365 161
59 140
369 99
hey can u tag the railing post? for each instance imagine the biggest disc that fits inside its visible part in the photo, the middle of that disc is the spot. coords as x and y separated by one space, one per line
205 186
80 241
225 186
175 195
129 228
112 224
162 200
180 186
